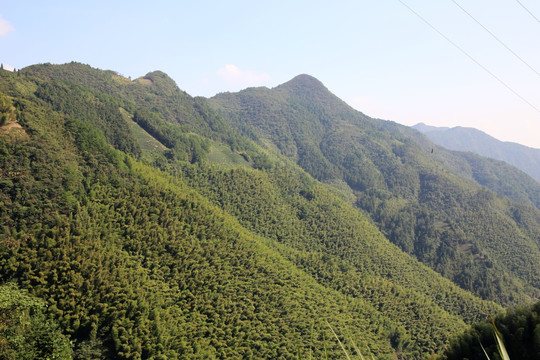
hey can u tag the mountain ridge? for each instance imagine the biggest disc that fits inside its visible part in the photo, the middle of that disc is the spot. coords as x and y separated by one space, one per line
393 177
459 138
214 246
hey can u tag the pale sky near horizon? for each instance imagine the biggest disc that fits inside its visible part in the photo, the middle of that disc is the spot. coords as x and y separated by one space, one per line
376 55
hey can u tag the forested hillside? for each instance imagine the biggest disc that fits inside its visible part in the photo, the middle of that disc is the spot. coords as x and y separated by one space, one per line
498 176
143 225
468 139
434 204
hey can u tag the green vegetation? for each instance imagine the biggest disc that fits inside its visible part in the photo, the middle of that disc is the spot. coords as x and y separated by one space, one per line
150 228
101 111
25 331
418 199
224 156
148 144
518 330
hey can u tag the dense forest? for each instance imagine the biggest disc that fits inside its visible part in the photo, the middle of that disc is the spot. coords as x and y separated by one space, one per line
519 329
455 212
138 222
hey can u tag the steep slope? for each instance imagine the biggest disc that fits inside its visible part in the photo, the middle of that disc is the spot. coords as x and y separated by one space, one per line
156 104
420 202
468 139
156 90
198 261
134 264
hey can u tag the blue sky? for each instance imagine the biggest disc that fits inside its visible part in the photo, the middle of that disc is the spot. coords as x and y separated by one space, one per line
376 55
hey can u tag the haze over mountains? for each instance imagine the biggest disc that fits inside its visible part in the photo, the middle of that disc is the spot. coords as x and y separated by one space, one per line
468 139
157 225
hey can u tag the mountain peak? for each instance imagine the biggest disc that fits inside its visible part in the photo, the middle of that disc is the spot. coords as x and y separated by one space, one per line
424 128
303 82
161 81
310 89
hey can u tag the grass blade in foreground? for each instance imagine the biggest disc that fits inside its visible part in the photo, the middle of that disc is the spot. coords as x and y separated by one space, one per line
339 341
484 350
500 344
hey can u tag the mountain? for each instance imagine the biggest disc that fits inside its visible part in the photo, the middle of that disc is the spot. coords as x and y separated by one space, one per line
152 228
467 217
424 128
468 139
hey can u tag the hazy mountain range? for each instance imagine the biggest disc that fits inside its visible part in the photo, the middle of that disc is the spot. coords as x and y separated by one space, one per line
459 138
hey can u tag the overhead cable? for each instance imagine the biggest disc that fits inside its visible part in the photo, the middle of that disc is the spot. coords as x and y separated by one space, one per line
469 56
527 10
496 38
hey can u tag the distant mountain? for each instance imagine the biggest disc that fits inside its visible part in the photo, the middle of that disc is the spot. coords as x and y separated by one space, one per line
469 139
424 128
433 205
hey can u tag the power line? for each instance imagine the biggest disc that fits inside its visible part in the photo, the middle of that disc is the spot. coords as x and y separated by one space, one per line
469 56
496 38
527 10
